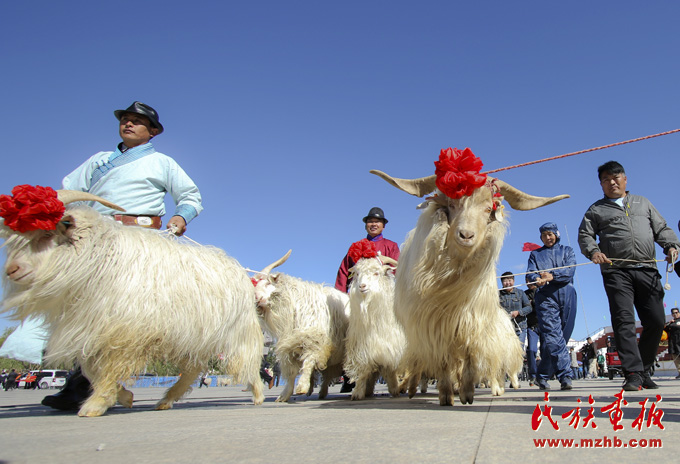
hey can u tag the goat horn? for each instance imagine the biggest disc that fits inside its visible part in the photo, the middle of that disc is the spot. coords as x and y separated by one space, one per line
417 187
69 196
523 201
276 263
516 198
388 260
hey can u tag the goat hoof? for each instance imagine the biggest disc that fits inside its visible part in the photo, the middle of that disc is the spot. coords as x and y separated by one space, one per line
92 409
125 398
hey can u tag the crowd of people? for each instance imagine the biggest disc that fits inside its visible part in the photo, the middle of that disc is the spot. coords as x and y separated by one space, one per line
619 232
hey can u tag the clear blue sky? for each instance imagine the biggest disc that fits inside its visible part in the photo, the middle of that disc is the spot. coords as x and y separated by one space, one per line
278 110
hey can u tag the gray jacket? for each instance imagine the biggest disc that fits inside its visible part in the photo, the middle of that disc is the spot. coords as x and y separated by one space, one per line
516 300
625 233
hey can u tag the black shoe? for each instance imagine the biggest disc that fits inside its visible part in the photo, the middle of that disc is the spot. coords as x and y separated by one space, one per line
566 384
633 382
647 382
347 387
72 396
542 384
64 401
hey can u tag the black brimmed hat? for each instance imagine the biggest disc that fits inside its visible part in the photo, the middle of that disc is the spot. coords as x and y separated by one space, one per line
376 213
144 110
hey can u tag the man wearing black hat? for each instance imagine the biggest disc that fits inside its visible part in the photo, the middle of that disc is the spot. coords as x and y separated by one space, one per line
136 177
375 224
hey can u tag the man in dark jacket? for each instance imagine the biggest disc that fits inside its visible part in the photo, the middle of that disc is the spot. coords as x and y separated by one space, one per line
673 331
516 304
589 359
628 226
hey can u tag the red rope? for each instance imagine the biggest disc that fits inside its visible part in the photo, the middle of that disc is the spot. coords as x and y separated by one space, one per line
580 152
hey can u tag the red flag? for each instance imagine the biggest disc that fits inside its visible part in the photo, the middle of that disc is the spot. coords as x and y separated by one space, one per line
528 246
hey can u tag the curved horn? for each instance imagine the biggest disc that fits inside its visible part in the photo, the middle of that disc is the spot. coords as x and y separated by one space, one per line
523 201
417 187
69 196
276 263
388 260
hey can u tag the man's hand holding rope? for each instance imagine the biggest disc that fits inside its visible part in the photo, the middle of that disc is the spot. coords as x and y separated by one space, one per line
600 258
544 279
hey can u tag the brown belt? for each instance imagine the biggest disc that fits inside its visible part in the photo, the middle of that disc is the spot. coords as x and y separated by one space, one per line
153 222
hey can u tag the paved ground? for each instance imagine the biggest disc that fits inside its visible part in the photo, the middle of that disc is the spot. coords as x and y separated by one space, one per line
219 424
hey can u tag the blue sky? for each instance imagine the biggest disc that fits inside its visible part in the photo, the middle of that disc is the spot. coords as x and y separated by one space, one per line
278 110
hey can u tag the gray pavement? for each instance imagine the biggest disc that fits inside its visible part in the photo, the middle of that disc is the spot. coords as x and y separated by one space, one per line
220 424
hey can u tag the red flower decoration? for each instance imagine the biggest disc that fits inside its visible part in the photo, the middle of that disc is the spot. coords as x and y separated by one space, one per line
458 172
362 249
31 208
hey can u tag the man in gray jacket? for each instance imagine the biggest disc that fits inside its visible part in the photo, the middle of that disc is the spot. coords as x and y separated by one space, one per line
627 227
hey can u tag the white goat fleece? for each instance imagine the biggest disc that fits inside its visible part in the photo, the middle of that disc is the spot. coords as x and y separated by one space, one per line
446 295
447 300
116 297
375 340
309 322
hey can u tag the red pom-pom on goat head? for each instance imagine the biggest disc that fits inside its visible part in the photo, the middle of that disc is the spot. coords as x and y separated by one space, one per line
457 172
31 208
362 249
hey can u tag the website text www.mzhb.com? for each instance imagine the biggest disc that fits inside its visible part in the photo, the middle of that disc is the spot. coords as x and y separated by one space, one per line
604 442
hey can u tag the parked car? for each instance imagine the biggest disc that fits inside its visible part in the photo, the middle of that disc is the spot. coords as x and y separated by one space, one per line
614 365
46 378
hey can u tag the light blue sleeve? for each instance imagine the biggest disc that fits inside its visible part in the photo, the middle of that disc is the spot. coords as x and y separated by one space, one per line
184 192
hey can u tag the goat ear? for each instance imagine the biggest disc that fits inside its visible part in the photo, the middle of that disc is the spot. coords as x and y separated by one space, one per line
273 278
499 211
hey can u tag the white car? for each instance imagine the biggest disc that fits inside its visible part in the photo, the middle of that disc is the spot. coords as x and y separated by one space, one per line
47 378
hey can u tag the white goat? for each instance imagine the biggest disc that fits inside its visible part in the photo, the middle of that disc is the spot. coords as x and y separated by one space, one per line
309 322
117 297
446 295
375 340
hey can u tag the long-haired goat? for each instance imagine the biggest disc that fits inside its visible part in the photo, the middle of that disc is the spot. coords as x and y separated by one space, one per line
446 295
375 340
116 297
308 321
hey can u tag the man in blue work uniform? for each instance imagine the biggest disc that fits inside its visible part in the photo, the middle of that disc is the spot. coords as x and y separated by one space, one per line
551 268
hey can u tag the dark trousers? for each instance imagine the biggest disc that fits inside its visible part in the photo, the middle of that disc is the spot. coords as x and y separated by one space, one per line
532 349
629 290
